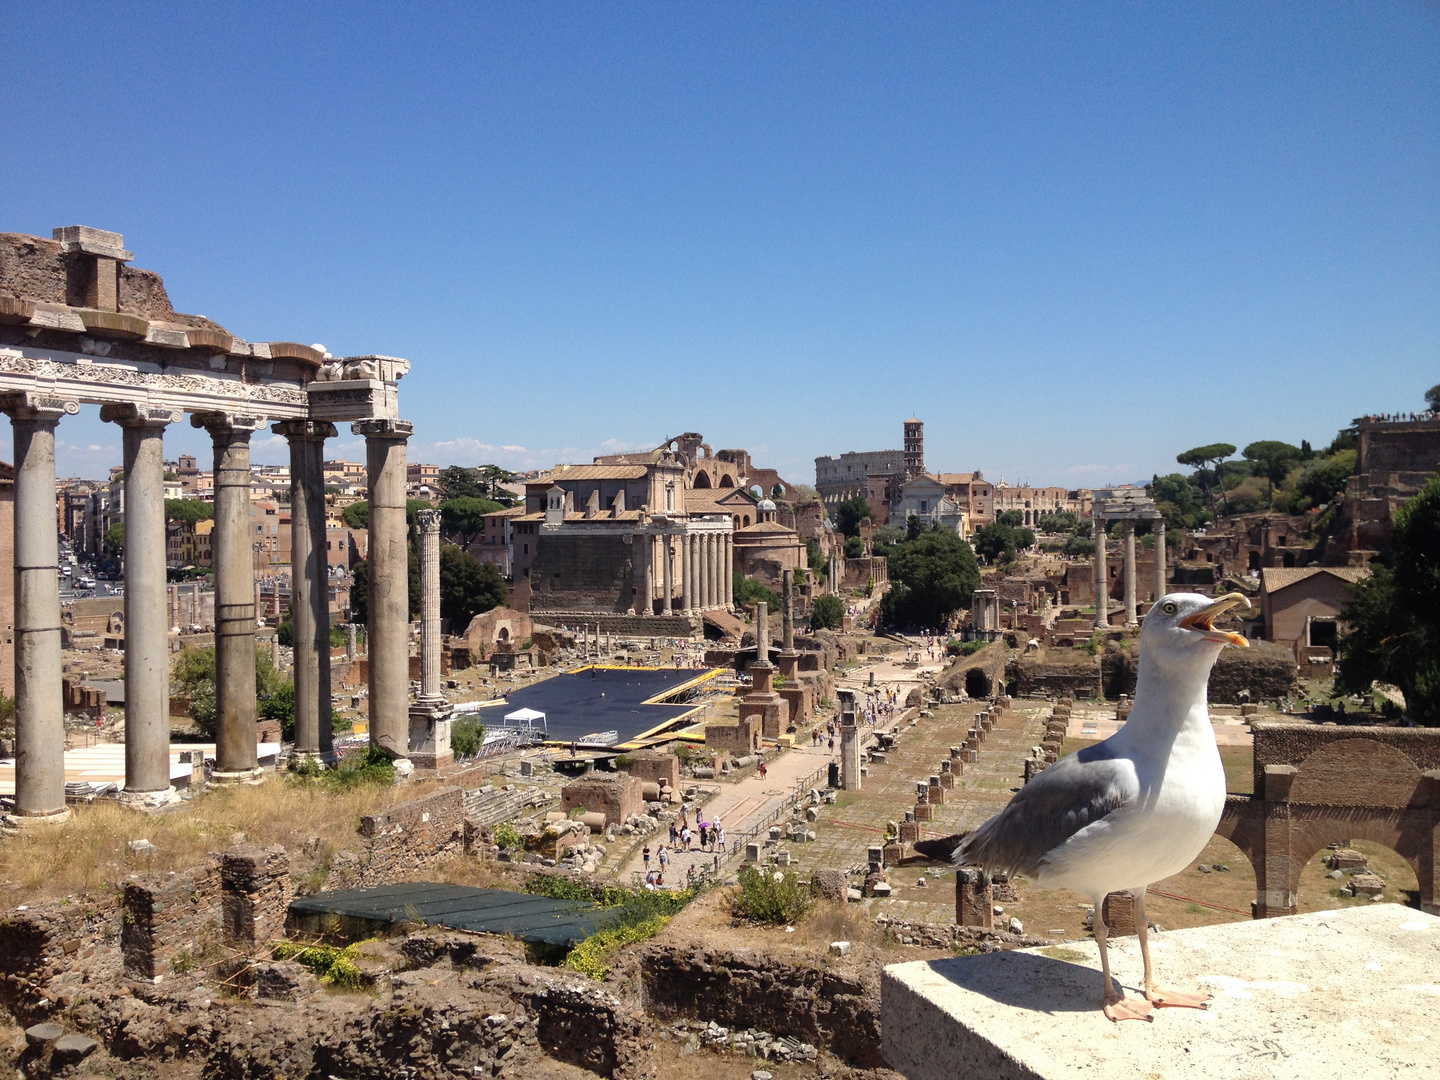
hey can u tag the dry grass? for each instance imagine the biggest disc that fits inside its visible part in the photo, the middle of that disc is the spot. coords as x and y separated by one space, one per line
88 853
831 921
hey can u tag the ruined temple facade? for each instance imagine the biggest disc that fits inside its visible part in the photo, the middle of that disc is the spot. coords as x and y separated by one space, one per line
80 325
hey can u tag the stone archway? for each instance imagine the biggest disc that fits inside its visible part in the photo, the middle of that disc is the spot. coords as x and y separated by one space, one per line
1319 785
727 481
702 479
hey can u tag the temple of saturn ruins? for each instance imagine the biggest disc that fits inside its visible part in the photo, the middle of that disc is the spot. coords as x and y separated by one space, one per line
1128 506
79 325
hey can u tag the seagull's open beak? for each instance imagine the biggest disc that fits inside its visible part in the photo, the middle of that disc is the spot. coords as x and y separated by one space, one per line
1203 620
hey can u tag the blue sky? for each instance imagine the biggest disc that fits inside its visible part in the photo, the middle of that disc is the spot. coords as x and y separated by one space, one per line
1074 239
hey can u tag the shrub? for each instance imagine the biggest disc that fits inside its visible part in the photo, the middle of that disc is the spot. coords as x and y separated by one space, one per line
467 735
332 966
507 836
590 956
827 613
771 896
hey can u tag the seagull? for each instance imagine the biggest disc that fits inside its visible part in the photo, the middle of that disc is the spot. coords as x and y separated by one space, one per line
1136 808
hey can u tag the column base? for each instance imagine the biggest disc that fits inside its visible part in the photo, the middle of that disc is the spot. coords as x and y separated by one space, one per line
328 759
432 762
17 822
404 768
148 800
242 776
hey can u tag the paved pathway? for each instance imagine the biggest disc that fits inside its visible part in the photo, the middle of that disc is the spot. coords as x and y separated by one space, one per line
738 805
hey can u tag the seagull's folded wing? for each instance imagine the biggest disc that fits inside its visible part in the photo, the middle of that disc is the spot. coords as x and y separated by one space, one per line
1071 794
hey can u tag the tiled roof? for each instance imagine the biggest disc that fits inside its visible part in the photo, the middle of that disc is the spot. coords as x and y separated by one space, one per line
1273 578
591 472
948 478
761 528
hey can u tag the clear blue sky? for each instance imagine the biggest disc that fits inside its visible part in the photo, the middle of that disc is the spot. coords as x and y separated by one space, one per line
1074 239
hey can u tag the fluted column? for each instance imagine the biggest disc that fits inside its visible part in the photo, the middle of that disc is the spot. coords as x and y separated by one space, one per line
309 585
687 571
1102 581
388 627
716 590
1160 583
39 706
667 558
1130 616
147 625
236 760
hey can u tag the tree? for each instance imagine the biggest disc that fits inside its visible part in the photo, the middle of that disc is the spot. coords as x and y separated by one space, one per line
1273 459
748 591
931 577
1393 624
1012 519
854 547
1212 453
1432 398
1325 477
188 510
827 613
1062 521
468 587
193 676
913 527
466 515
357 515
115 540
1002 541
814 557
849 513
459 482
1179 501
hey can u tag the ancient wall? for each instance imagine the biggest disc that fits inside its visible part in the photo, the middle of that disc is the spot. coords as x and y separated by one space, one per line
52 951
409 837
656 767
581 573
617 797
1398 446
1281 743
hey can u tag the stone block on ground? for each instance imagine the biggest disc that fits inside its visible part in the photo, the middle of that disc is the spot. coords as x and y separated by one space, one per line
1286 1004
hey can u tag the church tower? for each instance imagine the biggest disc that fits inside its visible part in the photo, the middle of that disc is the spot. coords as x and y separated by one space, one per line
914 448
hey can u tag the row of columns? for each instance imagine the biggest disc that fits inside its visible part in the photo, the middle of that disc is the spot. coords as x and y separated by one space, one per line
704 571
39 707
1102 574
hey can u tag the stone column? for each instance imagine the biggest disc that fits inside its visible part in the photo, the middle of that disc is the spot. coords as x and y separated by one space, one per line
309 586
1159 529
703 571
849 742
430 715
667 557
1130 617
712 563
39 705
762 632
236 760
687 571
388 627
788 617
147 628
640 573
727 569
1102 580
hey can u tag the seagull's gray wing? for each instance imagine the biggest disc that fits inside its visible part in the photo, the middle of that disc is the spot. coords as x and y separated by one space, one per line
1051 808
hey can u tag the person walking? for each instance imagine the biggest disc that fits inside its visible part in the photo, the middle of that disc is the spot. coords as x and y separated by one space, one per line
762 769
719 838
674 834
704 835
664 856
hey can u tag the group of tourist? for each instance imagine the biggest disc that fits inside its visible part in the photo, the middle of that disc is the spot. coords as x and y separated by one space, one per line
708 835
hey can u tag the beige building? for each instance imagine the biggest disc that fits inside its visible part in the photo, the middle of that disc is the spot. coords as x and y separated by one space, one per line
1301 607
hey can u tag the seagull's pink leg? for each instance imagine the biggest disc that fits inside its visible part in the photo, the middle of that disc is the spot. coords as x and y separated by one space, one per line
1117 1006
1163 999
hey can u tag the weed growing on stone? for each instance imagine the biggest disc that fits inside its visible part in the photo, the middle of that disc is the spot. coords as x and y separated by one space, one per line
331 965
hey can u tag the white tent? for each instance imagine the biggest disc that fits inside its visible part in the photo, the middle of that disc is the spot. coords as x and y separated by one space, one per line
523 716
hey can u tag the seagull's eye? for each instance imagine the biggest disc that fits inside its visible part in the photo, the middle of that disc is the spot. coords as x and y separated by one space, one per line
1169 608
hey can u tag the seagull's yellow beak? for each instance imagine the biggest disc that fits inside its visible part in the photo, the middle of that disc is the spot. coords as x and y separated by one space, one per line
1203 620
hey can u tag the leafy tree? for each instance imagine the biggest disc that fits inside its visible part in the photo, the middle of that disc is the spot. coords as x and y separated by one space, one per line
1324 477
1393 623
827 613
814 557
1211 454
459 482
1432 398
1062 521
1273 460
932 576
1012 519
747 591
854 547
1179 501
914 527
468 587
188 510
849 513
1002 541
466 514
357 515
115 540
1083 547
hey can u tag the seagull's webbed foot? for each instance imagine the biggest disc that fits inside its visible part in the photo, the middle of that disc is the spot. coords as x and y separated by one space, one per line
1174 999
1119 1007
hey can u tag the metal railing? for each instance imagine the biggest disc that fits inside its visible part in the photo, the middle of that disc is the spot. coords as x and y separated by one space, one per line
802 788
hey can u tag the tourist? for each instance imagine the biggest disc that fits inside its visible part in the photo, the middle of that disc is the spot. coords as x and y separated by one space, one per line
645 854
719 837
762 770
664 857
832 745
685 835
674 834
704 835
690 876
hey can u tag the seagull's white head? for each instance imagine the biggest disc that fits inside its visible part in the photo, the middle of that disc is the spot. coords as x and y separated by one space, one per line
1180 629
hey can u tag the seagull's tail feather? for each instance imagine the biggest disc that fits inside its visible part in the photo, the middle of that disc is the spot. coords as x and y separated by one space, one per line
941 848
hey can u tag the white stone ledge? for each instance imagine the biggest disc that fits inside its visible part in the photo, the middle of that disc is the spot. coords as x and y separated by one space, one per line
1352 993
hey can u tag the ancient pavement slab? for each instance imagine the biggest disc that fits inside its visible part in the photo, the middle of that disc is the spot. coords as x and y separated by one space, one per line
1350 992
